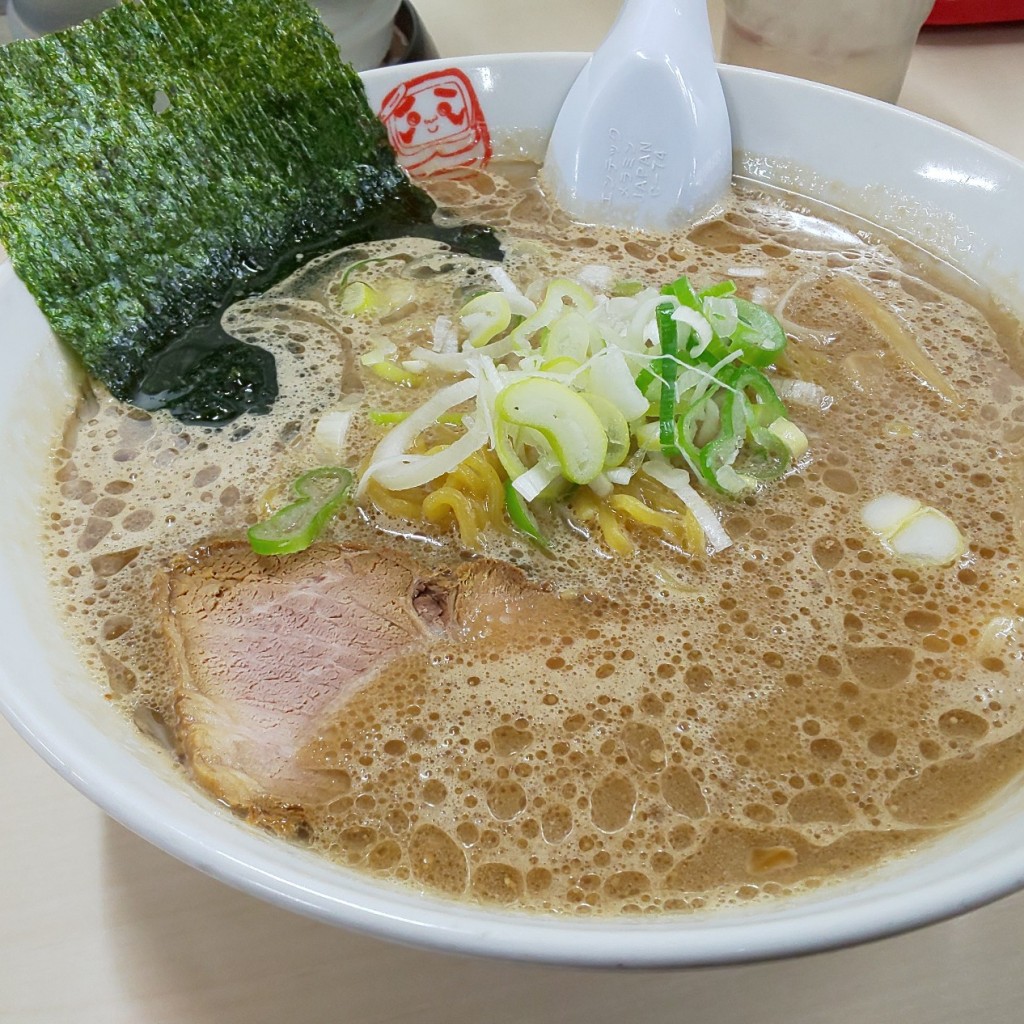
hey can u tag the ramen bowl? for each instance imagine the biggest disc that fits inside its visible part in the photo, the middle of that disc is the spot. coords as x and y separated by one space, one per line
952 194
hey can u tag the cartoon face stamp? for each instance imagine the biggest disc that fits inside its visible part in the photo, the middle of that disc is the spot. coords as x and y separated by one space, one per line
436 126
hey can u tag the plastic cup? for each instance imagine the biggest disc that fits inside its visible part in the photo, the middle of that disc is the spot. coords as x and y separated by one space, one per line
363 29
31 18
860 45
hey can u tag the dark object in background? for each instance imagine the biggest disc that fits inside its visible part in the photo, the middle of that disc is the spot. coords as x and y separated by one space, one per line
973 12
412 40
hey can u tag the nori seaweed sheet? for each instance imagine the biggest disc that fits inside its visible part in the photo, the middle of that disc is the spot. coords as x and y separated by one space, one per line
172 156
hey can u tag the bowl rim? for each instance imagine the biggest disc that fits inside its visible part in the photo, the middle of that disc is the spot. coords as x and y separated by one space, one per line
184 823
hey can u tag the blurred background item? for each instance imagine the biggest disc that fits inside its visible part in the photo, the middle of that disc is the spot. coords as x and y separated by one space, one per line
368 32
975 12
861 45
37 17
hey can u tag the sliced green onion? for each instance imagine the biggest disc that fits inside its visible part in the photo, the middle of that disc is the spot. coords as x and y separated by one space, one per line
714 459
359 264
609 376
721 314
627 289
561 364
683 291
668 335
763 405
485 317
359 297
386 419
563 418
644 379
766 456
559 292
647 436
520 516
321 493
615 427
791 436
678 482
389 370
759 334
570 336
716 291
505 449
356 298
536 481
579 393
736 323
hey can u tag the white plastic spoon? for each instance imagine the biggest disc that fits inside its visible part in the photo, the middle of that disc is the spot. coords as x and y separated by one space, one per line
643 139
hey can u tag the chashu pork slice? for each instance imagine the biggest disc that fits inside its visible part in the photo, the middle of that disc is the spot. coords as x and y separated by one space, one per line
266 649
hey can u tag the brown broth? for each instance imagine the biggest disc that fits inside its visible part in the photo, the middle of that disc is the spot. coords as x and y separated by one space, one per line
794 710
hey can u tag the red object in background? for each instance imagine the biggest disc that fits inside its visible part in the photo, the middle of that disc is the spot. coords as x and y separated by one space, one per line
435 124
971 12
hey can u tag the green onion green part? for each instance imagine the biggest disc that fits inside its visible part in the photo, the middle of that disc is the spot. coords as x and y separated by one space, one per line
668 368
320 494
520 516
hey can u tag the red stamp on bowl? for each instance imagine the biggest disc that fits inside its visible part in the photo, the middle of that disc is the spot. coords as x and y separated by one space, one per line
435 124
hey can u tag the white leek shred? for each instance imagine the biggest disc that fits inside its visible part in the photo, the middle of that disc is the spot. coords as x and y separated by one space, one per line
745 272
330 433
698 323
678 482
459 362
650 336
446 338
791 436
802 392
642 330
620 475
611 318
517 301
400 472
381 352
390 457
914 531
530 484
609 376
488 385
722 313
597 277
602 485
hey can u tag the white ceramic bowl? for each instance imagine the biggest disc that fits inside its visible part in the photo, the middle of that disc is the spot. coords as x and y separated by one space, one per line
957 196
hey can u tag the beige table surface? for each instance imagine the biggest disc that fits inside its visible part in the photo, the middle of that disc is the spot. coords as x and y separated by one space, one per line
98 927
